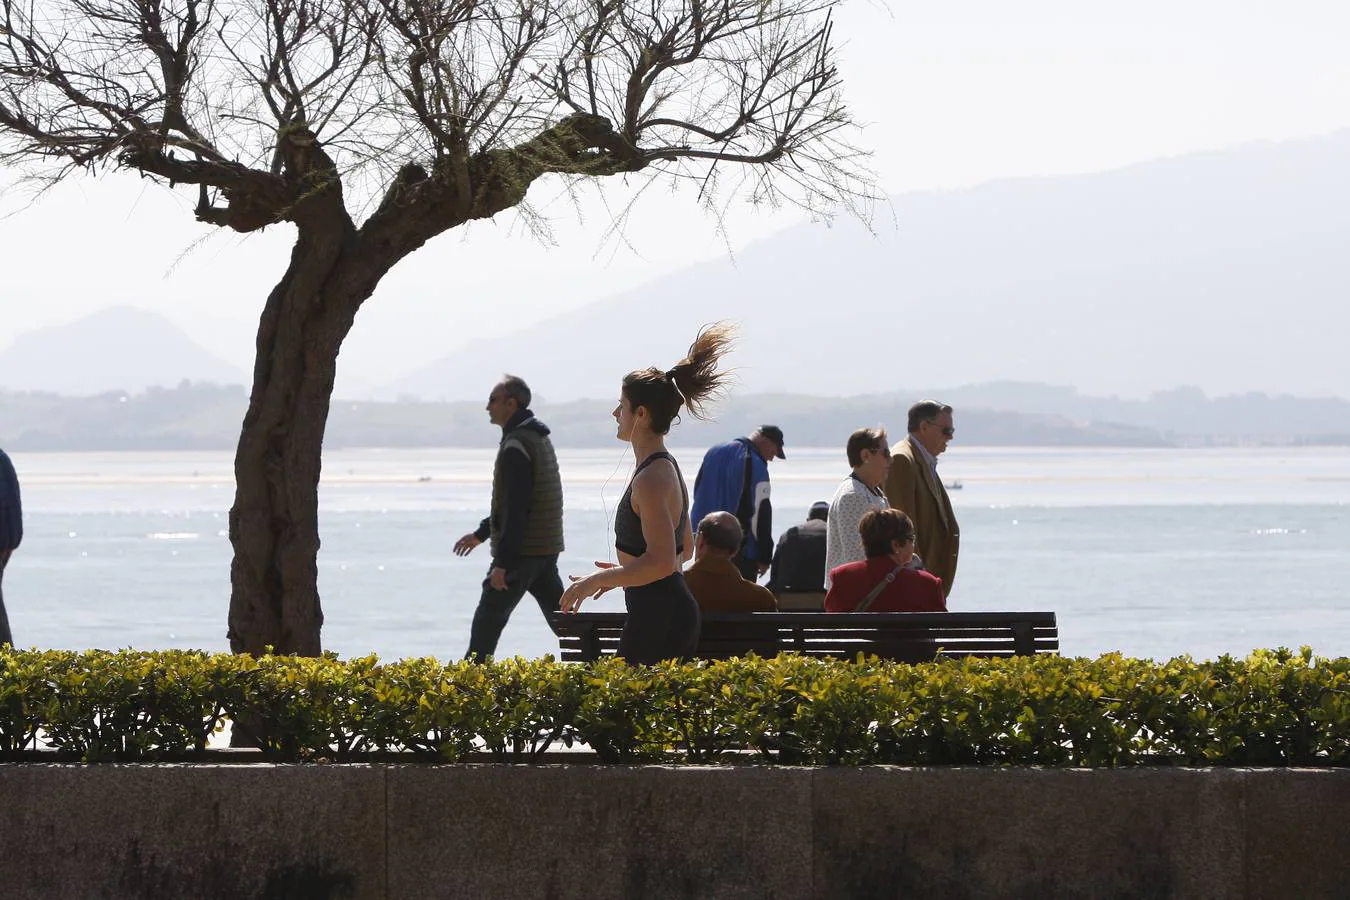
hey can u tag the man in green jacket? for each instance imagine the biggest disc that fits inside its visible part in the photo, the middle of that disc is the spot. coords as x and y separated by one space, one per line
525 527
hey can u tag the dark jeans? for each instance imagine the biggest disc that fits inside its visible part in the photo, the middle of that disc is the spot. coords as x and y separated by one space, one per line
748 568
536 574
5 636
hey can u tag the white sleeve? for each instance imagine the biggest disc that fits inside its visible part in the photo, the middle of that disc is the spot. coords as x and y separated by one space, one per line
854 507
843 543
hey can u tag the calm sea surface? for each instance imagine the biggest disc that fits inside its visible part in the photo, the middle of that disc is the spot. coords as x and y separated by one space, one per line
1154 553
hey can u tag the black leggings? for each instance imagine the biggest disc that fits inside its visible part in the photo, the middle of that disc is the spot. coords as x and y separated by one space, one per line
5 636
663 621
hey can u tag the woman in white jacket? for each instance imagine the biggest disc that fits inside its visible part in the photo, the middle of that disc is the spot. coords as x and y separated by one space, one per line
869 454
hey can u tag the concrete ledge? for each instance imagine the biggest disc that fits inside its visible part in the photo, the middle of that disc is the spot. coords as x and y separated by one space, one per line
1297 839
70 832
589 831
400 831
980 832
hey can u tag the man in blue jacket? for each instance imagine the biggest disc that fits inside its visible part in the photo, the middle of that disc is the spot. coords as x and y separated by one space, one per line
11 532
734 478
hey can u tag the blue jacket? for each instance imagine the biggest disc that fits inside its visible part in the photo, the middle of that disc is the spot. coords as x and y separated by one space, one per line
735 478
11 510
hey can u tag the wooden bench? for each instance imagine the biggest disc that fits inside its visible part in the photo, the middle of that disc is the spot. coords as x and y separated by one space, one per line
908 637
800 601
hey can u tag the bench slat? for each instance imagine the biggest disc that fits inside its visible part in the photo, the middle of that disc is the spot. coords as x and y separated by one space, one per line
868 633
828 638
796 618
901 636
576 655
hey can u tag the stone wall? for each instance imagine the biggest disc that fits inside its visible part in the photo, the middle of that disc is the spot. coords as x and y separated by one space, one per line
410 832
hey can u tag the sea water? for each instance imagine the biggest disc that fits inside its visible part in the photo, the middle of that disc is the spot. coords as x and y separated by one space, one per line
1151 552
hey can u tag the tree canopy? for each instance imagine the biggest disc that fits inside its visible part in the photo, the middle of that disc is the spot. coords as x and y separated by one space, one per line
430 112
374 125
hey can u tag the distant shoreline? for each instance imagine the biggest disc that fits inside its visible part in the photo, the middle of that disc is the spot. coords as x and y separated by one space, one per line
422 466
207 417
60 448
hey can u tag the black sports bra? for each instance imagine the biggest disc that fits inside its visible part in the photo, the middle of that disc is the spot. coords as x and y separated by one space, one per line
628 526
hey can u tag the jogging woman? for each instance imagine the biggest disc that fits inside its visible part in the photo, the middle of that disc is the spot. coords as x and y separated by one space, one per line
652 532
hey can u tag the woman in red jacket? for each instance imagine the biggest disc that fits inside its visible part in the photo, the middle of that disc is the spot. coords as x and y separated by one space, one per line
882 582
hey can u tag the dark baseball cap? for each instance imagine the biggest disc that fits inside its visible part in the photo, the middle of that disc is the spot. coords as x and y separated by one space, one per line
775 434
819 510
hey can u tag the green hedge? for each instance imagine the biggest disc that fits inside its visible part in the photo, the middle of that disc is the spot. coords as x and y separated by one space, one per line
1272 708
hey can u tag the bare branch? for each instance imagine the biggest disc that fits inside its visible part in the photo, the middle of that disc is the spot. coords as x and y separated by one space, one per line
447 109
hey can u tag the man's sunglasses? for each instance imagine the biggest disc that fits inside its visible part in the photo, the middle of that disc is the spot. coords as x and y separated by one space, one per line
946 432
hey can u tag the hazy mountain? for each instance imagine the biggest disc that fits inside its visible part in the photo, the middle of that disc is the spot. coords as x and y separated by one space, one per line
119 348
1184 412
201 417
1227 270
197 416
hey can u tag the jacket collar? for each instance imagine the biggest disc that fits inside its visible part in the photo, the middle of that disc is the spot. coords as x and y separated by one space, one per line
877 491
928 475
922 452
716 565
751 446
880 564
520 418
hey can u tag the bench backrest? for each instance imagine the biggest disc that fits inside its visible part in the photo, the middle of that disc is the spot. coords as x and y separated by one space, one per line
909 637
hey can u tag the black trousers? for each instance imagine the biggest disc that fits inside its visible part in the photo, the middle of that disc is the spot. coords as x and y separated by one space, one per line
748 568
5 636
537 575
663 621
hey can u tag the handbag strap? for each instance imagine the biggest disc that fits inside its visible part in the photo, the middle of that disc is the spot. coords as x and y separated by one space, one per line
876 591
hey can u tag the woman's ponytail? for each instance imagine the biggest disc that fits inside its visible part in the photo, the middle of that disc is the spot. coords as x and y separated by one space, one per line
696 376
690 383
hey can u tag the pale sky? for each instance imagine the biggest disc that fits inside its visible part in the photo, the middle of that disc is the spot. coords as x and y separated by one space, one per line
953 94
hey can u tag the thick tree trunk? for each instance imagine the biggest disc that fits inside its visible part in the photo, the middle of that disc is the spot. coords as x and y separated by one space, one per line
334 268
274 597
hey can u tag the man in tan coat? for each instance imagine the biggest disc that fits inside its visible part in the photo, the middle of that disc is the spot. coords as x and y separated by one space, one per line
713 578
914 488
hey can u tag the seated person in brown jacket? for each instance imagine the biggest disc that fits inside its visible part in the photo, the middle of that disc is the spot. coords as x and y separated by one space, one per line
713 578
888 540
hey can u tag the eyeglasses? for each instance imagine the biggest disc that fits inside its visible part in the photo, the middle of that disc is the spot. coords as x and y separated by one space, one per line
946 432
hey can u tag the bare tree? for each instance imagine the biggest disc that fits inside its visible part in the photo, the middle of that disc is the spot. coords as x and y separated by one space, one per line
372 126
